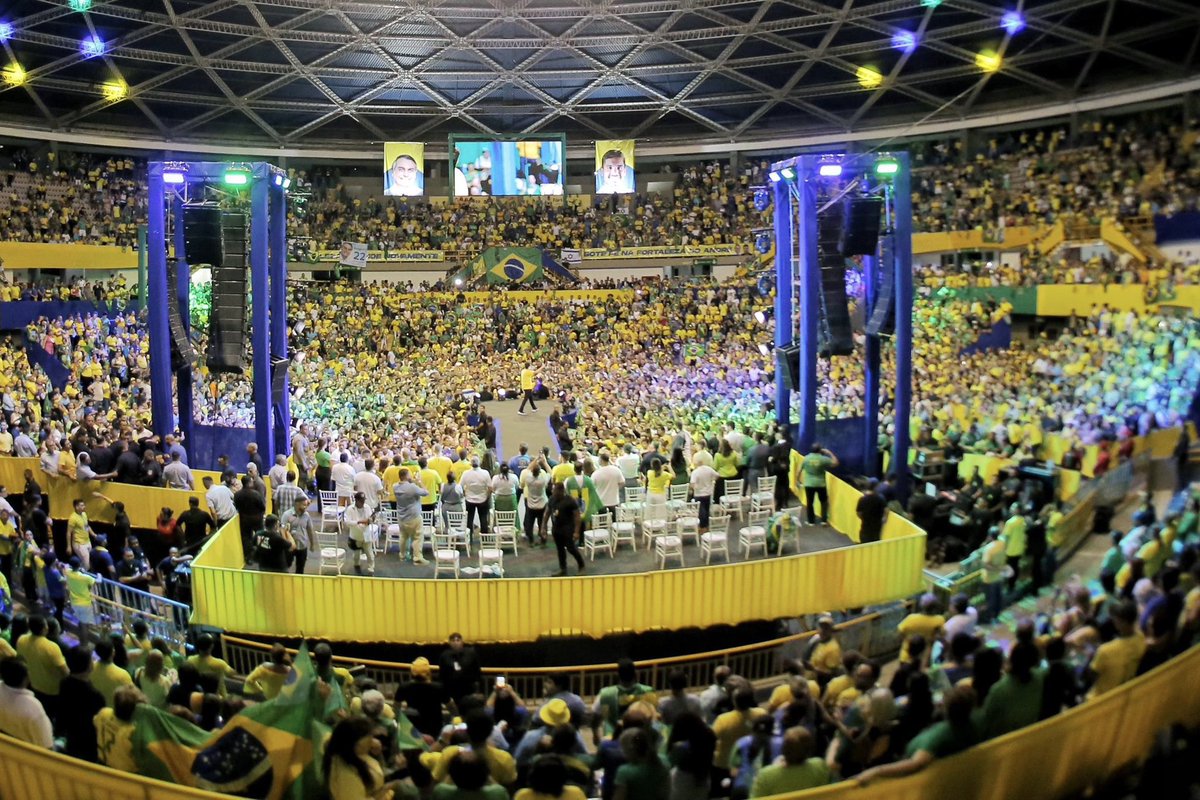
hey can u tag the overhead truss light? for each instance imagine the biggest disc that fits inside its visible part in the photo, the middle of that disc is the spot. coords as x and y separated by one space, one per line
869 77
1013 23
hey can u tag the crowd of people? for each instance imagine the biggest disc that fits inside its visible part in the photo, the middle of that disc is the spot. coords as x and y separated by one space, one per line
113 291
834 714
1113 168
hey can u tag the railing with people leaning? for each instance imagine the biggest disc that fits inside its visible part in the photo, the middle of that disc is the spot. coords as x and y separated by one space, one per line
871 634
117 606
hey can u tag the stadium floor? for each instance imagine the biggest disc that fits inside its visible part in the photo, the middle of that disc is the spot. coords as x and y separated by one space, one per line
543 562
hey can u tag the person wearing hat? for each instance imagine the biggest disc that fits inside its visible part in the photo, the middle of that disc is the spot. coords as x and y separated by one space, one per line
552 715
425 696
824 653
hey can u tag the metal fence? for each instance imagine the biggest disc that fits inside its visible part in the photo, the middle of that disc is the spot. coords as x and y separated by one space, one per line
118 606
872 634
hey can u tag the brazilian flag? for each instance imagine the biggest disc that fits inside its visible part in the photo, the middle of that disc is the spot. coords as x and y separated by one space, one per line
269 751
512 264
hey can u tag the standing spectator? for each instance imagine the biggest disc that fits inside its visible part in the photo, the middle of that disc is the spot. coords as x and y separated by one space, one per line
534 481
643 776
21 715
220 501
178 475
477 489
799 770
409 495
251 507
994 565
298 525
1015 543
114 730
77 693
424 696
813 471
1116 661
731 726
195 523
459 669
566 526
678 701
106 676
872 509
44 658
79 533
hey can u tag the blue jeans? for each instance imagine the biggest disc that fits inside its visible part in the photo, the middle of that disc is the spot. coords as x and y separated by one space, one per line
994 594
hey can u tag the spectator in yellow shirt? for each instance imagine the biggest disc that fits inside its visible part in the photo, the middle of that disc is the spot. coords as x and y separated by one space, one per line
114 730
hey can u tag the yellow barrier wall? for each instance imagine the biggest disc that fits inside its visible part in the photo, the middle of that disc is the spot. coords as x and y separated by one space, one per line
1056 758
142 503
32 255
1059 301
522 609
1014 239
224 548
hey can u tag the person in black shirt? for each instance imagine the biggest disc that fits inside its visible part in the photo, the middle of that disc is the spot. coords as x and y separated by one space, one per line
195 523
780 465
129 466
425 697
458 667
152 471
101 561
565 525
33 489
77 693
132 573
251 506
36 520
271 546
872 508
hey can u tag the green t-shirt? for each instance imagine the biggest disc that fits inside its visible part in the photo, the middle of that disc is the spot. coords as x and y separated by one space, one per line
783 778
943 739
1114 559
813 469
726 465
1012 704
649 781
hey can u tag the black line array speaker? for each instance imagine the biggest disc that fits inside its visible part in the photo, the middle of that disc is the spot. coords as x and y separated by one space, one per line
883 314
787 365
861 233
182 352
835 335
202 235
227 321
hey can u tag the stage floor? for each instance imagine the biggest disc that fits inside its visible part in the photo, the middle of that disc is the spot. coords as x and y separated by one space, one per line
542 562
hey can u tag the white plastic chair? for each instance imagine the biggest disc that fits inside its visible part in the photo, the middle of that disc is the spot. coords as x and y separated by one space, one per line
754 534
668 547
493 558
600 536
428 528
763 498
456 531
445 554
635 494
688 523
654 523
677 495
389 520
504 531
734 500
790 533
714 541
330 510
625 529
329 554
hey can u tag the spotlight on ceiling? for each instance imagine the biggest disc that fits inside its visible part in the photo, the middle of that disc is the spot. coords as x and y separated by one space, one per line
1013 23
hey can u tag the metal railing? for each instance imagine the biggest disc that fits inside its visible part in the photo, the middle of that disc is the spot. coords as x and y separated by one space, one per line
118 606
872 634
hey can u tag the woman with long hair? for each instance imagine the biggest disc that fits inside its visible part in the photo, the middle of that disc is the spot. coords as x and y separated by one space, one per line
679 467
726 463
690 749
324 471
351 771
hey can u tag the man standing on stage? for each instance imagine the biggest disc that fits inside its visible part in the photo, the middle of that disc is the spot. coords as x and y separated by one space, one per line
528 381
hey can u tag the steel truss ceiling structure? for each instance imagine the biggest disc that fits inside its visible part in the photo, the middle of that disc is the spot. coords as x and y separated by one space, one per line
327 73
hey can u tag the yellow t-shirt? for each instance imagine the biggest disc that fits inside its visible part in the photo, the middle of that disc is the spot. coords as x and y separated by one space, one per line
925 625
45 662
827 656
657 484
562 472
1116 662
77 529
729 727
107 678
210 666
527 379
781 695
265 680
113 741
501 765
432 481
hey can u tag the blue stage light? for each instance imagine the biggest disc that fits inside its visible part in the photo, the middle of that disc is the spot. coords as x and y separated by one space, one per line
905 41
92 46
762 200
1013 22
762 243
6 31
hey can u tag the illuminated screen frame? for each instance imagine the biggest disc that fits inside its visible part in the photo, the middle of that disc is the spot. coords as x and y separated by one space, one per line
455 139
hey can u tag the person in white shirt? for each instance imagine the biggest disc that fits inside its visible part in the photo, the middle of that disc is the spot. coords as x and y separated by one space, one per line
534 481
702 457
477 489
609 481
629 463
504 489
21 714
359 518
703 481
220 501
963 620
278 472
49 459
342 476
369 484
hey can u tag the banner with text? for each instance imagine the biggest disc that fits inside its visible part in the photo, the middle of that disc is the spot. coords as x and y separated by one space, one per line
384 255
667 251
353 255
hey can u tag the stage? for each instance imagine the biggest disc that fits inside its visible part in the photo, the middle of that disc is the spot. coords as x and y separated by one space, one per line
542 562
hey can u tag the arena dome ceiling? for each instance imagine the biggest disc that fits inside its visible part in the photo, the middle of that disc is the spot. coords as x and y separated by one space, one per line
327 73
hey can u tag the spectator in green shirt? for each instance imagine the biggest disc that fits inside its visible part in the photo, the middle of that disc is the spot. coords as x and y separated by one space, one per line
813 469
1016 699
800 770
953 735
